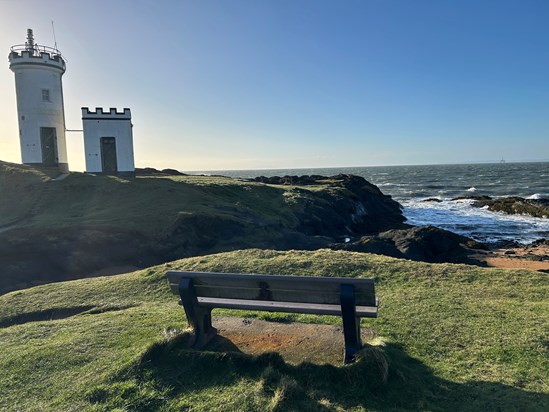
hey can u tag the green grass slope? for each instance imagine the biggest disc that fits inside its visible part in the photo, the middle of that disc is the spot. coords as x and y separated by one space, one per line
455 338
57 230
149 204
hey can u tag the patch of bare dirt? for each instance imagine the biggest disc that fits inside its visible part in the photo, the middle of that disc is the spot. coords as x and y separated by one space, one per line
295 342
529 257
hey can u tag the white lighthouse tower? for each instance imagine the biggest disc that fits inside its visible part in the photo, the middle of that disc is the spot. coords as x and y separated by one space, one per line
38 71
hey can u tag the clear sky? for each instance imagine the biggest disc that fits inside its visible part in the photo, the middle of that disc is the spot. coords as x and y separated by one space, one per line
246 84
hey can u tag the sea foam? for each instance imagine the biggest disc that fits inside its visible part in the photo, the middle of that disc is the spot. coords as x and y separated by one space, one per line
478 223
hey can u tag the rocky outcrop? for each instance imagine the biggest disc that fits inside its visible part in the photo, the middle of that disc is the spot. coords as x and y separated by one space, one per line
512 205
336 207
151 171
350 205
424 243
305 180
517 205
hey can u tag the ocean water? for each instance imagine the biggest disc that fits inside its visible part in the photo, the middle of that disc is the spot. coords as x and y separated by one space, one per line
412 185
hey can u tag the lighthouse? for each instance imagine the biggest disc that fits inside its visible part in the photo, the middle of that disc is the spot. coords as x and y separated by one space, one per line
38 70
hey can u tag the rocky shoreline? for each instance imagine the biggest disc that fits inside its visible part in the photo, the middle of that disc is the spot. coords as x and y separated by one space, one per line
435 245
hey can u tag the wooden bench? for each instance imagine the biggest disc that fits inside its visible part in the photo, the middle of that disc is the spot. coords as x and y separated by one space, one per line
349 298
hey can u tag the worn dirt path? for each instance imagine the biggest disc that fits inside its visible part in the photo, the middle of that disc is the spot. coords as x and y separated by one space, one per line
295 342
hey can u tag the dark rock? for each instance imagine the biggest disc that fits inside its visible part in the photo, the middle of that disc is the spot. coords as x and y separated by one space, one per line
535 258
473 244
504 244
173 172
146 171
424 243
539 242
516 205
151 171
429 244
432 199
290 180
371 244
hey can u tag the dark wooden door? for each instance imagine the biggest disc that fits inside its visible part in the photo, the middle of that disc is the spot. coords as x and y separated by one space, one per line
48 141
108 155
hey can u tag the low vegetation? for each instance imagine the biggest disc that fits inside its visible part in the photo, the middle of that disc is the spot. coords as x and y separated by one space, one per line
453 337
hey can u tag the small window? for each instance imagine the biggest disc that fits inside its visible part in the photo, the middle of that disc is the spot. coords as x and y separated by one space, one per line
46 95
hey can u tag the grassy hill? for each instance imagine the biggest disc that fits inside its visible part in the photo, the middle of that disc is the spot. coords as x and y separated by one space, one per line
454 337
57 230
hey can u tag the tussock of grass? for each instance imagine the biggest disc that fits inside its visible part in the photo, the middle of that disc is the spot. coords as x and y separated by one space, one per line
455 338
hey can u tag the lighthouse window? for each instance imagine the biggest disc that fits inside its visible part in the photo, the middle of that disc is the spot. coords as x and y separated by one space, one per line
46 95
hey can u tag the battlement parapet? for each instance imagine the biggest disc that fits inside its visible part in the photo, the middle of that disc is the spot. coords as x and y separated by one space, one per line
36 56
111 114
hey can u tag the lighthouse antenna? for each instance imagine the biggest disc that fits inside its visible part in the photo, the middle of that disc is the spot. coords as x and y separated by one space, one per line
54 39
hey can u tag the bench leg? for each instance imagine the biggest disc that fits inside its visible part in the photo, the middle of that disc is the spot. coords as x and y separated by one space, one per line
351 324
198 317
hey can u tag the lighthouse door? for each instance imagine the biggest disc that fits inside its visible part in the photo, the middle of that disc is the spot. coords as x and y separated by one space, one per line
48 141
108 155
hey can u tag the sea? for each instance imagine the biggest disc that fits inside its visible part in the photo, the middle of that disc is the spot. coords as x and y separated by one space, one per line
411 186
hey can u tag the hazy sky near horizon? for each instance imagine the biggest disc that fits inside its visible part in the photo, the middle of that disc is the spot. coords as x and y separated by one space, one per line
249 84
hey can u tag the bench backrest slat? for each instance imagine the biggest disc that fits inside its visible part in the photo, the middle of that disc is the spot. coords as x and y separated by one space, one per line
306 289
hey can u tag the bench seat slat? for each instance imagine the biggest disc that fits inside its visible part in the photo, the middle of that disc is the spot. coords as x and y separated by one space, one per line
292 307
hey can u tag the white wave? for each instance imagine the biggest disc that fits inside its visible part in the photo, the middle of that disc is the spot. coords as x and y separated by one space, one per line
479 223
472 189
535 196
385 184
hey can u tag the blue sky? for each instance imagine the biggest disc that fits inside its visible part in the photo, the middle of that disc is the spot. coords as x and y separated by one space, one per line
247 84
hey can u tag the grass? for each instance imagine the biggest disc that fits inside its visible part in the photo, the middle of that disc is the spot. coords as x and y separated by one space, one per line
148 204
455 338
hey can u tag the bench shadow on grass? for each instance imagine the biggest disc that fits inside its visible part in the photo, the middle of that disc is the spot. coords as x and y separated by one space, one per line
384 378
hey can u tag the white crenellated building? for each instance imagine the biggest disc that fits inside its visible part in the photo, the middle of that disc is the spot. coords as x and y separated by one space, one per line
38 71
108 141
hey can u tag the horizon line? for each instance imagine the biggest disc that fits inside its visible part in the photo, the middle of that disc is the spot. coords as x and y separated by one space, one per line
365 166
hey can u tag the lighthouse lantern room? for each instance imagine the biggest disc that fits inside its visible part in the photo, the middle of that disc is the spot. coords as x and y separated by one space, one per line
38 71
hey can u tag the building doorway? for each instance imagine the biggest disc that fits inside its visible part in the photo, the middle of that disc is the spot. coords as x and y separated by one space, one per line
48 141
109 163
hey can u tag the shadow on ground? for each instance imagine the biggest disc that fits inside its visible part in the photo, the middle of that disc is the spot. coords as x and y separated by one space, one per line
384 378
